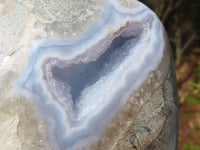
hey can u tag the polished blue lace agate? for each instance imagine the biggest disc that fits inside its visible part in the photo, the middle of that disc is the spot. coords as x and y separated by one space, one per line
80 84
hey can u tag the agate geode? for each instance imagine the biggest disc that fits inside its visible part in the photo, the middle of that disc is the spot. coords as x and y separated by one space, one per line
93 89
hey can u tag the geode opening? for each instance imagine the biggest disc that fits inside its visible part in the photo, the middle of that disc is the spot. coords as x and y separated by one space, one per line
79 85
80 75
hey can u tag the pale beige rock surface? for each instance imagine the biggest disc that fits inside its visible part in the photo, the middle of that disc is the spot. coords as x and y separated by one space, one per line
21 128
8 131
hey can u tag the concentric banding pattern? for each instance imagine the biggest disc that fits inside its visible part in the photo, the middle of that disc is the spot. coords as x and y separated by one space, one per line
80 84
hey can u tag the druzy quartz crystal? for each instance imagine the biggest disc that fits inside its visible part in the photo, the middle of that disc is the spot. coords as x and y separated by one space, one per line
90 75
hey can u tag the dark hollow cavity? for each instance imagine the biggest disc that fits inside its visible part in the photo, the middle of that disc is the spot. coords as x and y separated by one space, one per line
78 76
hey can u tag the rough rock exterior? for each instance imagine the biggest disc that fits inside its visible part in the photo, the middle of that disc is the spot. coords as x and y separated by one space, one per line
148 120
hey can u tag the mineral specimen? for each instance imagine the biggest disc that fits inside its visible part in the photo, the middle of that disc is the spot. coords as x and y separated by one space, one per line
108 85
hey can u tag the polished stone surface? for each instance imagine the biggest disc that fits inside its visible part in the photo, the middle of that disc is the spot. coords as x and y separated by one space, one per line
89 75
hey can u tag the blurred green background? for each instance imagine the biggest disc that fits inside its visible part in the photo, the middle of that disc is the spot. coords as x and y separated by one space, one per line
181 19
